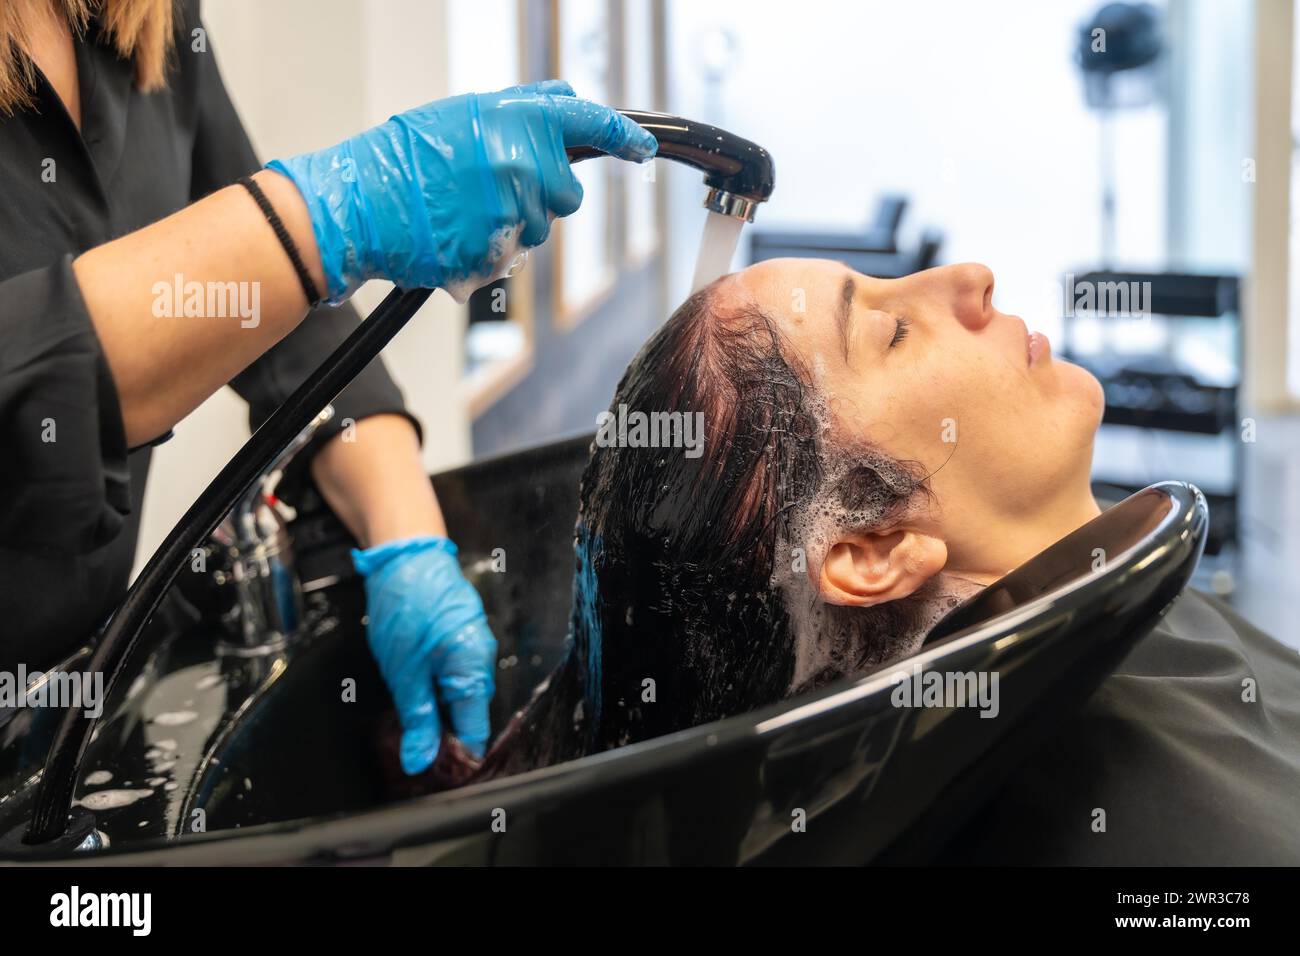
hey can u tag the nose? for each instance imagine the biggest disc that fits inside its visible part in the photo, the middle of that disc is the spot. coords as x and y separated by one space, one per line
968 288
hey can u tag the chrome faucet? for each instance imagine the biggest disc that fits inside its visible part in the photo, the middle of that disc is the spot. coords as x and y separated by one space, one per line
254 538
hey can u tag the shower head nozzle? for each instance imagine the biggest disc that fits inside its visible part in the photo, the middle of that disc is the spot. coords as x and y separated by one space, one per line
740 174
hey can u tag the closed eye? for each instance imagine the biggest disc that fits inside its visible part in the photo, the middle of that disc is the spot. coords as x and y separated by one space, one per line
901 327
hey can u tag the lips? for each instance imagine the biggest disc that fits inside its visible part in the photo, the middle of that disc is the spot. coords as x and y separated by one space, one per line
1037 347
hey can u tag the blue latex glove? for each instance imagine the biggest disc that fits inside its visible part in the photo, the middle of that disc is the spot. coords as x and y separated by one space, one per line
427 629
441 194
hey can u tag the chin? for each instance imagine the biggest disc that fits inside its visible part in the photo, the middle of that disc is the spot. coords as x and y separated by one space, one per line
1085 391
1097 397
1082 404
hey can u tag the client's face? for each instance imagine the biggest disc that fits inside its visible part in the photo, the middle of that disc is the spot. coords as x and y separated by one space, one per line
927 370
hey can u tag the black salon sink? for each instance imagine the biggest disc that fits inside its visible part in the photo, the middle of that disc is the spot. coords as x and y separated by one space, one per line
284 769
300 749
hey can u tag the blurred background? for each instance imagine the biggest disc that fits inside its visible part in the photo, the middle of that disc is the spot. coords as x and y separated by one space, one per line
1126 171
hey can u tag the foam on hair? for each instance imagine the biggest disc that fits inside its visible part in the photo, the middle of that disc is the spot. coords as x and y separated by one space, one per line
861 490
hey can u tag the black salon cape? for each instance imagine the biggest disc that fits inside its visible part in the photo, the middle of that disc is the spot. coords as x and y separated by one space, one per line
70 508
1188 769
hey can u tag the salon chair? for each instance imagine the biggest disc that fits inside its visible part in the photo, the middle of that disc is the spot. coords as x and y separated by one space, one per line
873 251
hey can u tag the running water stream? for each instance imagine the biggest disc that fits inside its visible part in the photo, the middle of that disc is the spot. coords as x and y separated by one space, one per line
717 246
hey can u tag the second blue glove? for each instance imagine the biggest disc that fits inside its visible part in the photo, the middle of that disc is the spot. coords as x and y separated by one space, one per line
431 640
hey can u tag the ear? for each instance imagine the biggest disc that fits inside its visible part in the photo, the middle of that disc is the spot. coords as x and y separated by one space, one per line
865 569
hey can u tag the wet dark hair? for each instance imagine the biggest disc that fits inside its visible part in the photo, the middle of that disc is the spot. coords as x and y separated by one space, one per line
689 602
686 568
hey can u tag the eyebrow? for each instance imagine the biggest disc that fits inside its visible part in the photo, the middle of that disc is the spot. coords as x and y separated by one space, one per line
847 292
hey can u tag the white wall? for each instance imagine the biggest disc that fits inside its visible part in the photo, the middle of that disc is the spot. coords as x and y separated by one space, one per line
1212 225
1267 291
974 110
304 74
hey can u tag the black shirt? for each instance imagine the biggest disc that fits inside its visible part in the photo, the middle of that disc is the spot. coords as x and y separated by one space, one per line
1190 750
70 489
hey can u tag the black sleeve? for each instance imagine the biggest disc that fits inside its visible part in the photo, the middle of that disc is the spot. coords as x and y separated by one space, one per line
1191 748
63 454
223 153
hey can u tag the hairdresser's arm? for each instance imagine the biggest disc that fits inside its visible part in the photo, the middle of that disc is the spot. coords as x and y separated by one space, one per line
487 166
165 367
373 479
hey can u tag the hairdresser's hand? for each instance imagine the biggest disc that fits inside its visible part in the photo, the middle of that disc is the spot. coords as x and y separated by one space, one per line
437 195
431 639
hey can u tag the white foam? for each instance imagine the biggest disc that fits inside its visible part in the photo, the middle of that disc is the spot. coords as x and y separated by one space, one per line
825 635
175 718
505 257
96 777
112 799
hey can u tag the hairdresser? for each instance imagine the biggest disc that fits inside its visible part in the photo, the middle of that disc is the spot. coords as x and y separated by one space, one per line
125 167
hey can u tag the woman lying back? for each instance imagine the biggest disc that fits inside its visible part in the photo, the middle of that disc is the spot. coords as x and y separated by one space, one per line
874 451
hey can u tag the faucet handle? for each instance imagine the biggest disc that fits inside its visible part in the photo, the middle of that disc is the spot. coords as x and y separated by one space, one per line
271 477
257 545
300 441
240 526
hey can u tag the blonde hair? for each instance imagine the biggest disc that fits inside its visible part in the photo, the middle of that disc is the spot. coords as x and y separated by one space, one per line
141 31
